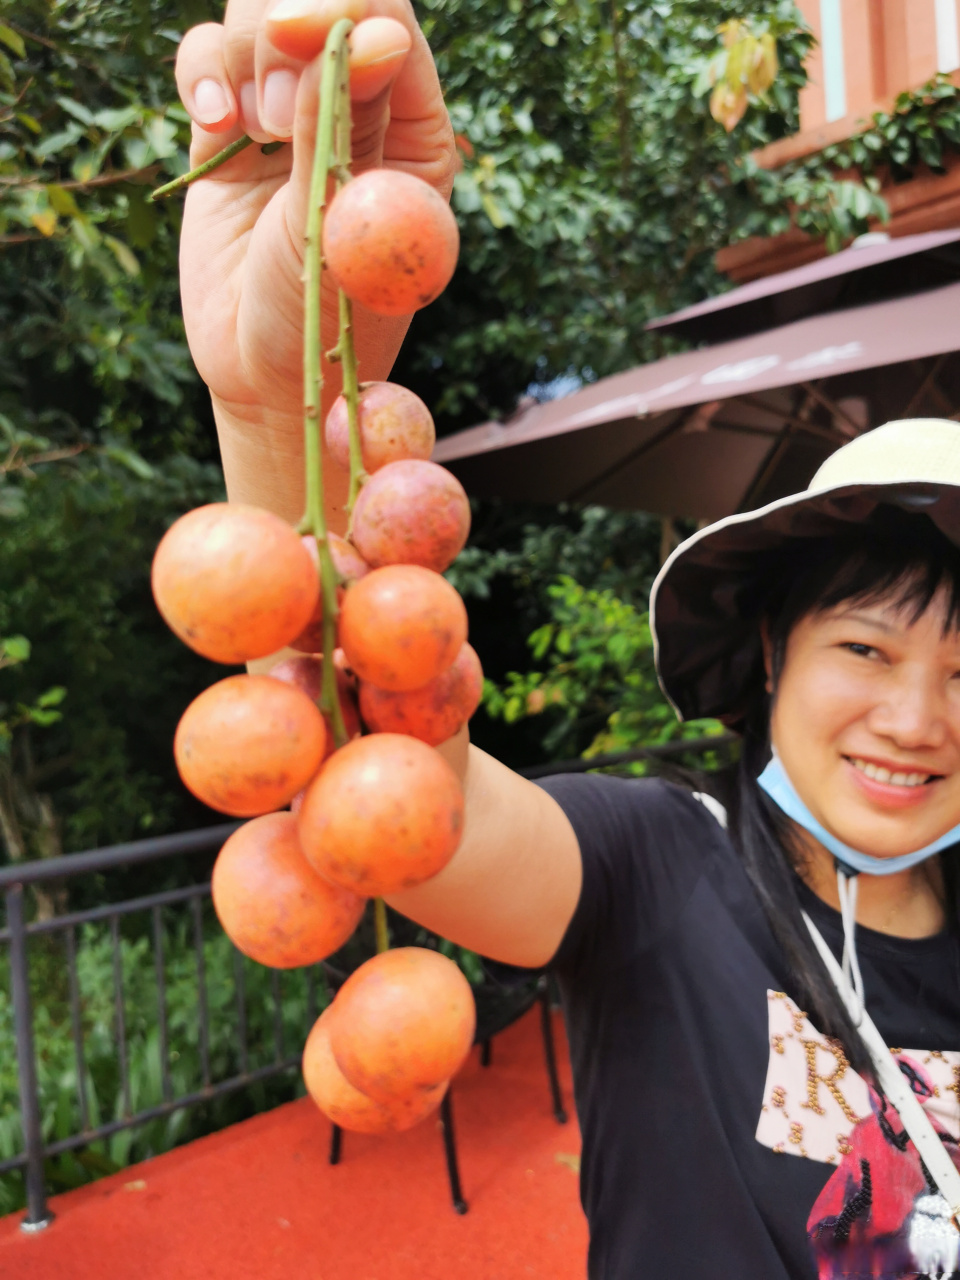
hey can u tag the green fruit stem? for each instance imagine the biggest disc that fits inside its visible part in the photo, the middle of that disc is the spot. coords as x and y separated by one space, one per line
208 166
380 925
330 130
351 393
345 345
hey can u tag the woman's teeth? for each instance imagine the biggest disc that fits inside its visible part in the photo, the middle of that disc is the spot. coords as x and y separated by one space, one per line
879 774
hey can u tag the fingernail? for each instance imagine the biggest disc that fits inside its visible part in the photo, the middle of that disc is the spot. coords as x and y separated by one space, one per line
288 9
210 102
248 107
279 102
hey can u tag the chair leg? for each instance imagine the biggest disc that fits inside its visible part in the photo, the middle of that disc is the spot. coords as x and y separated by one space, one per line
486 1053
450 1150
550 1053
336 1144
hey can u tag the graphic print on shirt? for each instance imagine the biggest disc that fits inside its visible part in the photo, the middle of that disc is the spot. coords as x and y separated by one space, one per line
878 1215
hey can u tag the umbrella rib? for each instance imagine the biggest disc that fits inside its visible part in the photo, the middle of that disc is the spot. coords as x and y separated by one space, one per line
773 456
632 456
831 406
928 383
792 420
788 419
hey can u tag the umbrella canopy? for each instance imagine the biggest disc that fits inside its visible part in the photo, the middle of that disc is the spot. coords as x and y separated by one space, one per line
873 268
727 428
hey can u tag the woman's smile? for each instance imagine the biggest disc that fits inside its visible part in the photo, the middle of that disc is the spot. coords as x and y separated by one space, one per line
892 784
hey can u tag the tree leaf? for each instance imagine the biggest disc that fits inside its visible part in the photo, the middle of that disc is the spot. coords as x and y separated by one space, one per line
15 649
62 201
13 40
45 220
52 697
132 461
123 254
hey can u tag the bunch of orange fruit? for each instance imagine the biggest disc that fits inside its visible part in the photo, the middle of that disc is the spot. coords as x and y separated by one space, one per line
334 824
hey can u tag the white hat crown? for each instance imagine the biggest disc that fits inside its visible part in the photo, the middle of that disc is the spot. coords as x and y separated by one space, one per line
914 450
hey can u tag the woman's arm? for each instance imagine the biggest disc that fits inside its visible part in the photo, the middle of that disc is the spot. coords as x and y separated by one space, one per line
513 884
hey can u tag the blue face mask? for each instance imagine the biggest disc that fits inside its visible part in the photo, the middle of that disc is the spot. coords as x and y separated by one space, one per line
781 790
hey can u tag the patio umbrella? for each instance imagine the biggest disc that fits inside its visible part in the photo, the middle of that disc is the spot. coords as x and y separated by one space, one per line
873 269
728 427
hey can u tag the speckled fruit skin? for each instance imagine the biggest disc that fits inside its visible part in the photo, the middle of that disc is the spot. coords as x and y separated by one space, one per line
433 713
411 513
401 626
272 904
350 565
391 241
306 673
394 424
348 1107
404 1020
385 813
234 582
248 744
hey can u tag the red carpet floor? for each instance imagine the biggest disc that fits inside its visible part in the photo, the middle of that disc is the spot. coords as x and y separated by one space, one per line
259 1201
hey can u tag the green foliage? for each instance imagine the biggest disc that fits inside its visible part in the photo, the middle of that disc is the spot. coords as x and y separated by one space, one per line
595 188
57 1066
91 341
616 549
595 682
43 712
75 572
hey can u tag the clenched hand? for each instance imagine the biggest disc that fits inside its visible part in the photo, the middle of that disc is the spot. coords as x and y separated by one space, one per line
243 231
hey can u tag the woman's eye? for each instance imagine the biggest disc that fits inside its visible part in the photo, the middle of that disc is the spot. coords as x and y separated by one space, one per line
861 650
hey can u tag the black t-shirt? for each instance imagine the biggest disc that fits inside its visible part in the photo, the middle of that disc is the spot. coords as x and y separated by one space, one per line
724 1138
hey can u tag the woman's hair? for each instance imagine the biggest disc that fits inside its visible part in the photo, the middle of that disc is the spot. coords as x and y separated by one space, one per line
896 557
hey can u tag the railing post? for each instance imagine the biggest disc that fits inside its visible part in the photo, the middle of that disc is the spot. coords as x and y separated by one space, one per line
38 1215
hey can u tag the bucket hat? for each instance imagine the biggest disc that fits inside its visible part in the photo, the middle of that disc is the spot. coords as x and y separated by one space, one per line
709 597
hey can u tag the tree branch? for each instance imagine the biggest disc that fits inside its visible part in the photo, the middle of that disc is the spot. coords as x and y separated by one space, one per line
102 180
29 35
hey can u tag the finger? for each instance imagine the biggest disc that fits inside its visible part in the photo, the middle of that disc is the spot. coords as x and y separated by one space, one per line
380 54
299 28
202 79
293 33
378 48
420 138
241 23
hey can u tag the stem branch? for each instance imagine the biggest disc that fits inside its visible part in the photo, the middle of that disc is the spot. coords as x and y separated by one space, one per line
380 925
345 346
201 171
335 69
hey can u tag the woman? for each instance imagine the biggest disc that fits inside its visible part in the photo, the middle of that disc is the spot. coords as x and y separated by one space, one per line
731 1124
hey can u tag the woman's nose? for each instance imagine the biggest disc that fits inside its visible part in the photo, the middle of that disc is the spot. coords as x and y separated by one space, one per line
913 711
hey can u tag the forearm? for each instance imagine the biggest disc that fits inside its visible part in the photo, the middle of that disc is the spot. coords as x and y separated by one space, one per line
511 888
261 448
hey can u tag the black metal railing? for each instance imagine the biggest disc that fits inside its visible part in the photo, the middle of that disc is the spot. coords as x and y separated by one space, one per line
14 880
17 878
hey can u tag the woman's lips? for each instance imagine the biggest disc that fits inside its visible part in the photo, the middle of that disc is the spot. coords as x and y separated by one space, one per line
889 794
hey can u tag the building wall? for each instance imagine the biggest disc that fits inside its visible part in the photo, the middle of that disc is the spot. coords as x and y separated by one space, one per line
867 52
871 50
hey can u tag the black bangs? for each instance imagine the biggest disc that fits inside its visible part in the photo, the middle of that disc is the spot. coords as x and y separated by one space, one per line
898 557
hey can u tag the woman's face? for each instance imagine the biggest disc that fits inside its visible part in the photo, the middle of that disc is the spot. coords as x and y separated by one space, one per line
866 721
